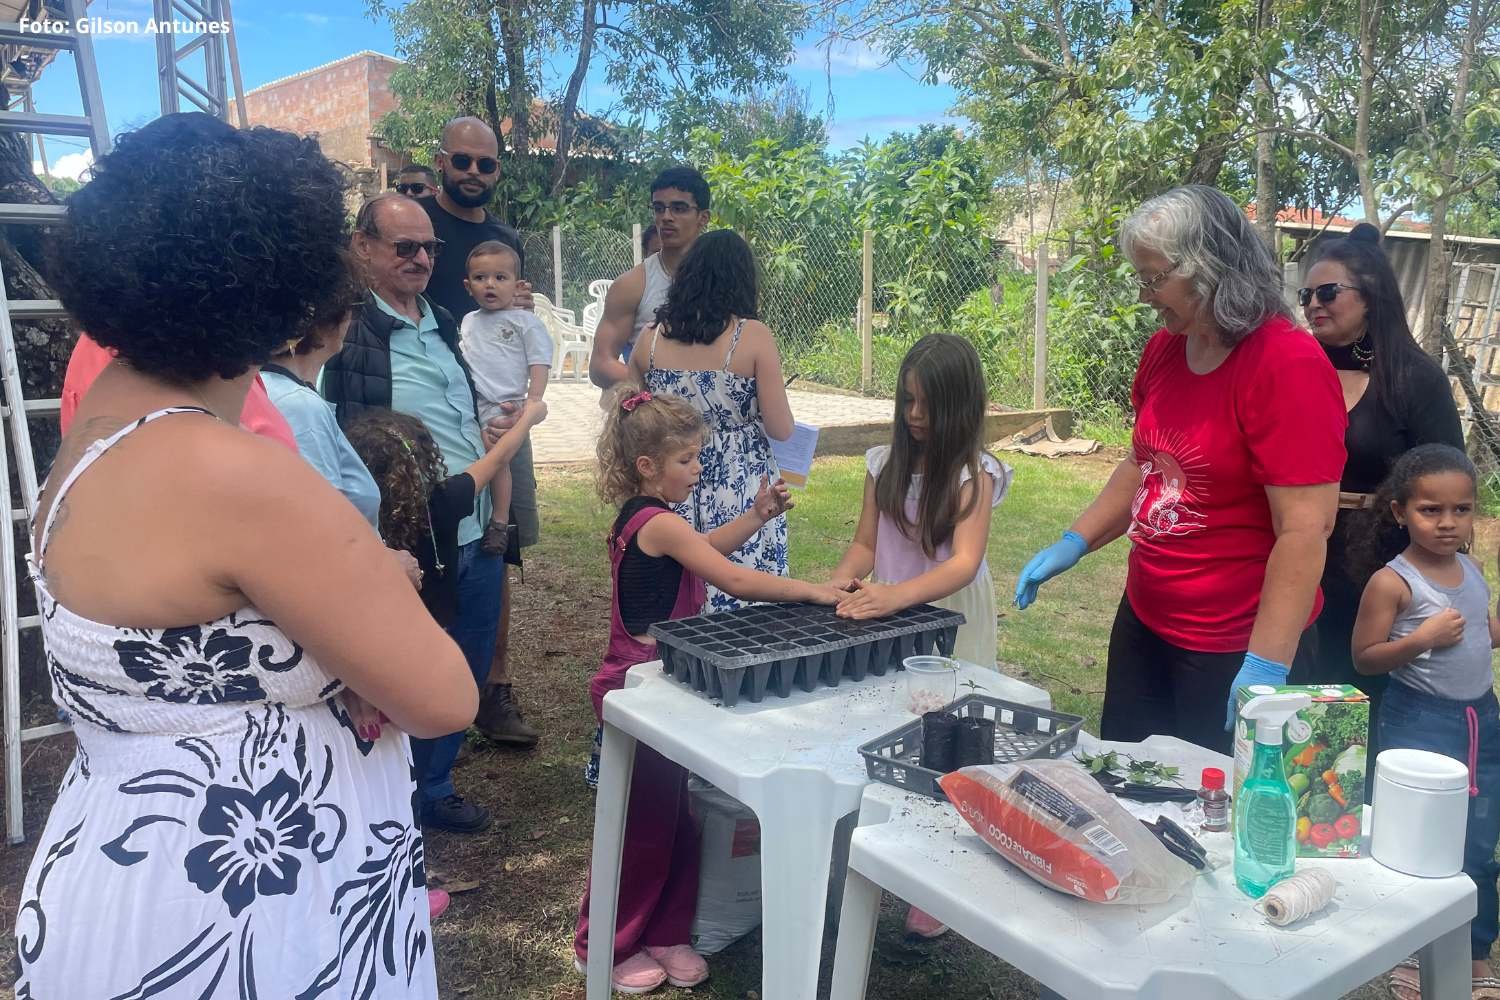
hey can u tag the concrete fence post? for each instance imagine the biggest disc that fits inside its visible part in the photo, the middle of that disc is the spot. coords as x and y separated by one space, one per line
867 313
1039 358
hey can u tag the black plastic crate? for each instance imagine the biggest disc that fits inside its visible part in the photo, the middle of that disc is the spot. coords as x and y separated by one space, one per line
1021 733
776 648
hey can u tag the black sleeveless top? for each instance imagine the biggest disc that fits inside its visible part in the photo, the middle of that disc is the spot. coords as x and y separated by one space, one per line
648 584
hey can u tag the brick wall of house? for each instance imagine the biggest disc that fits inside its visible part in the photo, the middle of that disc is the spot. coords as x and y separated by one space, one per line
339 103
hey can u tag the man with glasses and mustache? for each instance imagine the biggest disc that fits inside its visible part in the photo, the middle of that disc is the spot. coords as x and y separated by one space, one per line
469 165
401 353
680 202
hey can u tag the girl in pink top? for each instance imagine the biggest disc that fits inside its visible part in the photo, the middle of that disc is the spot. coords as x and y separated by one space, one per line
929 495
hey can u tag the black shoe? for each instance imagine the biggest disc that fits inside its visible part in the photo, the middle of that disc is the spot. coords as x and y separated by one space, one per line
500 719
456 815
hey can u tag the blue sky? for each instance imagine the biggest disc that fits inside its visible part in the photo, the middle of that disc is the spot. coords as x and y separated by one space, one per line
280 37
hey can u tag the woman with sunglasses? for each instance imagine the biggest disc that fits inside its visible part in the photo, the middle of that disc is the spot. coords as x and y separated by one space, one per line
1396 398
1230 490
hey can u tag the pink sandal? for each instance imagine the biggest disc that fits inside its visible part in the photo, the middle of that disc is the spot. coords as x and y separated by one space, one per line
685 968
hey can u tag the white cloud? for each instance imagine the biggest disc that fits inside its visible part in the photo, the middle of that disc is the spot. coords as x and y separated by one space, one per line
70 165
840 58
316 20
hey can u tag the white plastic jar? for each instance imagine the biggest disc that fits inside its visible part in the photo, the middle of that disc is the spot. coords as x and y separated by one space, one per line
1420 813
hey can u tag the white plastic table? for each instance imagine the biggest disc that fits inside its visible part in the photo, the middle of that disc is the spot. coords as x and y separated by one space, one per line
1207 945
794 761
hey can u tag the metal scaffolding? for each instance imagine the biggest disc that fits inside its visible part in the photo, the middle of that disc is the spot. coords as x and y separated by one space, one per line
183 77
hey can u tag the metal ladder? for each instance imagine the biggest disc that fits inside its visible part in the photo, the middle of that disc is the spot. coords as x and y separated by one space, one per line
91 125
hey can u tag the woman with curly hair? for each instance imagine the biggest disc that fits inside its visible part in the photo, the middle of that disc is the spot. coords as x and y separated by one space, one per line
420 504
717 354
206 597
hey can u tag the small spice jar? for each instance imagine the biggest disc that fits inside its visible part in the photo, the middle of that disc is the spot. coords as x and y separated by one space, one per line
1214 801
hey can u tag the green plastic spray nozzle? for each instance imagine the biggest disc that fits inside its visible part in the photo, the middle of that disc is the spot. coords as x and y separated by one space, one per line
1271 712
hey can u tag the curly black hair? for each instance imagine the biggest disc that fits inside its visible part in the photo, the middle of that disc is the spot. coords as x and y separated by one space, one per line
406 465
197 249
714 281
347 292
1379 528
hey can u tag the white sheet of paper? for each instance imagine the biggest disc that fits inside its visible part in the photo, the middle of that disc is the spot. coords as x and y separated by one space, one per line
794 456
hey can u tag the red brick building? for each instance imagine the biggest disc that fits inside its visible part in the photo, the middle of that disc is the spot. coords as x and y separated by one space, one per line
340 102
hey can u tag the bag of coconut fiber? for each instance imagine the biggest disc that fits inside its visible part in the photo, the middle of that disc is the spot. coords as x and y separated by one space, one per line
1053 820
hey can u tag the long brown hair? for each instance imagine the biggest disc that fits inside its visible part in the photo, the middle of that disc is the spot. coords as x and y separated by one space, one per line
406 465
947 370
650 427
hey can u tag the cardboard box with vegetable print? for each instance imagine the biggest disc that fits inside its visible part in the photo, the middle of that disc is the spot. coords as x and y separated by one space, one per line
1324 753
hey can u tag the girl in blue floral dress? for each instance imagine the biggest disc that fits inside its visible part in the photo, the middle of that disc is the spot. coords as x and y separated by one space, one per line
709 347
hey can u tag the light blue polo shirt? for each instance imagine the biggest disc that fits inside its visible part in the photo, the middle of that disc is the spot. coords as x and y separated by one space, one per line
428 383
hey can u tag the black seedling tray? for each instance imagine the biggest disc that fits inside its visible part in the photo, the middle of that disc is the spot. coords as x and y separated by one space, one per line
1021 733
773 648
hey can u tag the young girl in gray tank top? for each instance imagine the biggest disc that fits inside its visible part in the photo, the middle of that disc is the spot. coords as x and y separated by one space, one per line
1425 619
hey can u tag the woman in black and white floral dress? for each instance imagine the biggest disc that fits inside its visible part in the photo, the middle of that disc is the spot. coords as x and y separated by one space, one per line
210 606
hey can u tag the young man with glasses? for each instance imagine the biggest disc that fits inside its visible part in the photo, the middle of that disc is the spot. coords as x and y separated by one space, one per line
680 205
416 181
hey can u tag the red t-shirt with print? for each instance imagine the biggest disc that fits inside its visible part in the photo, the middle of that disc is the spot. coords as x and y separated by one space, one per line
1272 414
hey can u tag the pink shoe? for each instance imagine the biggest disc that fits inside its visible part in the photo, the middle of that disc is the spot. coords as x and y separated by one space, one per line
685 967
919 924
640 973
437 903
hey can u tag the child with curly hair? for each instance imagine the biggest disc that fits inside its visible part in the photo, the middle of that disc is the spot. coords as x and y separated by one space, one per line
420 504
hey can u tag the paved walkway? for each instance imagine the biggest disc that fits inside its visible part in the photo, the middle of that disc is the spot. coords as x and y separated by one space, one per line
574 418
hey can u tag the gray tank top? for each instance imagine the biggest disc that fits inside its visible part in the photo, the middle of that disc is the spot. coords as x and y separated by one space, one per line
1461 672
653 296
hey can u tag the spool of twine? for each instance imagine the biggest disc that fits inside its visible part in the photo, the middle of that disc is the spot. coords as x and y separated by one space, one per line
1302 895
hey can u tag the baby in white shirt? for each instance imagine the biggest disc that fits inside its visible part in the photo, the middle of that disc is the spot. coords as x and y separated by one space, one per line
509 352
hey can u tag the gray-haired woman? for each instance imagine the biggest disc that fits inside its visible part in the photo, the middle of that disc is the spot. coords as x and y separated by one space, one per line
1230 489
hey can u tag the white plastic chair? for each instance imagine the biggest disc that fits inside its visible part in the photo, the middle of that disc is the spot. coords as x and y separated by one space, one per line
598 289
592 314
542 302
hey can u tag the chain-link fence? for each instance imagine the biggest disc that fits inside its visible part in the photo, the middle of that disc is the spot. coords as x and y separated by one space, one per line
581 256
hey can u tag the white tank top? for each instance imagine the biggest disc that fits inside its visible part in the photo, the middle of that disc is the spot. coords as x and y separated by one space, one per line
653 296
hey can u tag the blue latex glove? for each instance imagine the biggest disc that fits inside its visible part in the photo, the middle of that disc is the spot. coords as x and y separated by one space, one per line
1255 670
1061 555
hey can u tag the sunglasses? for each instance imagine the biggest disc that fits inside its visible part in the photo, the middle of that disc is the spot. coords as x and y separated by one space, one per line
463 161
412 189
407 249
1326 293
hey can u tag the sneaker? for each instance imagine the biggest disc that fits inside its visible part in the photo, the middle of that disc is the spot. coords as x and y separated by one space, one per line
437 903
685 968
496 539
500 720
923 925
455 814
639 973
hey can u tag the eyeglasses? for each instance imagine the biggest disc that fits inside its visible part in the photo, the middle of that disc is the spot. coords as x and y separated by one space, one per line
412 189
407 249
678 208
1151 284
1326 293
463 161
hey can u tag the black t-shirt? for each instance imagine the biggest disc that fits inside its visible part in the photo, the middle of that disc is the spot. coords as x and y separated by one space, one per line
460 237
648 584
450 503
1380 431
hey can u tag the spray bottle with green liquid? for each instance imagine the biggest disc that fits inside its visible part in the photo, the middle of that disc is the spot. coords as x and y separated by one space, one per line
1265 814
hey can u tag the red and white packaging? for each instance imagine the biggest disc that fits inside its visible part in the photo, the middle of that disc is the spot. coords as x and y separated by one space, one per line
1052 820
